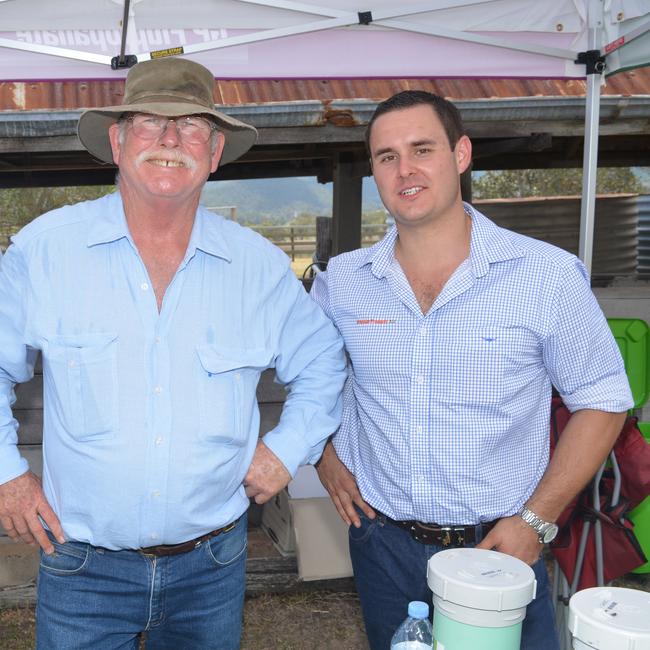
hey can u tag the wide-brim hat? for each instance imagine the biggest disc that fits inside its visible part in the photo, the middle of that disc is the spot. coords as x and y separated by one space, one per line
170 87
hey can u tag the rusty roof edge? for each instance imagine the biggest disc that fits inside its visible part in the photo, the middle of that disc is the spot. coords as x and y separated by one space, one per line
356 112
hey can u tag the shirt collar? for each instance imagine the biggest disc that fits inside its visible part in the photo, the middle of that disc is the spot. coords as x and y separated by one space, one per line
208 236
380 255
109 225
489 244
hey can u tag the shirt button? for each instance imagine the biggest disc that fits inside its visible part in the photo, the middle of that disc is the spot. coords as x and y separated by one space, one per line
157 390
418 429
423 331
144 286
159 440
154 536
419 379
155 493
421 478
157 339
71 363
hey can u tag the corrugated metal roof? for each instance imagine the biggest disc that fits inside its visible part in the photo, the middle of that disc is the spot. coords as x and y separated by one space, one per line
83 94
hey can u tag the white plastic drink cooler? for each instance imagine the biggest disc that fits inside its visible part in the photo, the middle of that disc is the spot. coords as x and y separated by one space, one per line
610 618
479 599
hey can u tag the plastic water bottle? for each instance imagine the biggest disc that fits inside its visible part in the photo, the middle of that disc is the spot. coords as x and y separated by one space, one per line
415 632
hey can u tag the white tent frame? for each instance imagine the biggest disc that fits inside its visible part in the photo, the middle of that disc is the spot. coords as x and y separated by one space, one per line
594 59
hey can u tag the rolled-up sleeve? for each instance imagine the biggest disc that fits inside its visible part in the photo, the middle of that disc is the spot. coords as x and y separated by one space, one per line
580 353
15 357
311 362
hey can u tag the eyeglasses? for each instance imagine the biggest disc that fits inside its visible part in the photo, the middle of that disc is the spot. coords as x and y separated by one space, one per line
191 128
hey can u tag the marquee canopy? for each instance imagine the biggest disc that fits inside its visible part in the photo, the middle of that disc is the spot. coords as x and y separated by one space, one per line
246 39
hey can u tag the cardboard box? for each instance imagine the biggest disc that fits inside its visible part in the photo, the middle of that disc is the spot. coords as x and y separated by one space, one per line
321 539
306 484
276 521
303 520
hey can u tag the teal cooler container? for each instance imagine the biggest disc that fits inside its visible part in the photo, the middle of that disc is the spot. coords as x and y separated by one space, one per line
610 618
479 599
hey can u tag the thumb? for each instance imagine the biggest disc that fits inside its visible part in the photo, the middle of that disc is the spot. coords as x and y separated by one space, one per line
489 541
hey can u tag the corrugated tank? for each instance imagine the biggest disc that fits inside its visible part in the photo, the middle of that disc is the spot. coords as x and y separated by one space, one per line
557 221
643 202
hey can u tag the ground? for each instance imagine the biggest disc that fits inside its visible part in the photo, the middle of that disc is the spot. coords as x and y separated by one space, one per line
320 620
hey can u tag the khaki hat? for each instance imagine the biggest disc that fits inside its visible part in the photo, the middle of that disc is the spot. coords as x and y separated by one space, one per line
170 87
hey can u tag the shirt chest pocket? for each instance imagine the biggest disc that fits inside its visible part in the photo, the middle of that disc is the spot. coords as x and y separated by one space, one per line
484 366
81 382
227 384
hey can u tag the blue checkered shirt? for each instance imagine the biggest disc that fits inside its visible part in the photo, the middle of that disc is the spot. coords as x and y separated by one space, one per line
446 415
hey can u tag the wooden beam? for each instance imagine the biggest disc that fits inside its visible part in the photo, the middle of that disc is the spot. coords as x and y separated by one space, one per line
349 171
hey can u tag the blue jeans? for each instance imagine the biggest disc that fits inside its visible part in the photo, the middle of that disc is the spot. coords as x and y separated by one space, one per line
91 597
390 570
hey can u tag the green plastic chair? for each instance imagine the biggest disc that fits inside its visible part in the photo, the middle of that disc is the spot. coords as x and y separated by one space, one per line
640 516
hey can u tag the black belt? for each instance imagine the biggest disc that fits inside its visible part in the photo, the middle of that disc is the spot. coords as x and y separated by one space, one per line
446 536
184 547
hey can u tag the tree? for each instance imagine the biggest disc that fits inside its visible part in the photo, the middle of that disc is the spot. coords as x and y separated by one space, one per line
521 183
18 206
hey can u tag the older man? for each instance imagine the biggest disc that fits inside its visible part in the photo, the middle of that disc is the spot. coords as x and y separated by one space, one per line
154 318
456 330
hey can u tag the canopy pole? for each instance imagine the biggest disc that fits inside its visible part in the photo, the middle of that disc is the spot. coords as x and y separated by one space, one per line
125 27
595 64
589 171
122 60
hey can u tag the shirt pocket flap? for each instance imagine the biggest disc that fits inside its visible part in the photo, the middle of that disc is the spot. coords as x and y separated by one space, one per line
216 358
96 341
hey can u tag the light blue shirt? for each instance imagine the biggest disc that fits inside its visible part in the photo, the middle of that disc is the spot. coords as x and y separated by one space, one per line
151 419
446 415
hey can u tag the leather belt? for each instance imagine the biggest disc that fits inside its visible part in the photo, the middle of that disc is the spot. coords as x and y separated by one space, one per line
446 536
184 547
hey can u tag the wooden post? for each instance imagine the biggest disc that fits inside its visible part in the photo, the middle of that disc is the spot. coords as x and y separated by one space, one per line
323 239
346 209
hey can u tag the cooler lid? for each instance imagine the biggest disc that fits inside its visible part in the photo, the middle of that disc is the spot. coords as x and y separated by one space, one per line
611 618
481 579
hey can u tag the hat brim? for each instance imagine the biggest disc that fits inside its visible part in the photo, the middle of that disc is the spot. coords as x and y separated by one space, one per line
94 124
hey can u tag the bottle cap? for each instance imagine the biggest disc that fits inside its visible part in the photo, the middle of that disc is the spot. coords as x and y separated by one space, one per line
418 609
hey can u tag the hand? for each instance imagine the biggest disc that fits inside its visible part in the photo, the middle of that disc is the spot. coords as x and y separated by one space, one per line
342 487
21 502
266 475
512 535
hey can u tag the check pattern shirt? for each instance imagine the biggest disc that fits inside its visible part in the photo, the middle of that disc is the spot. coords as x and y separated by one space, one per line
446 414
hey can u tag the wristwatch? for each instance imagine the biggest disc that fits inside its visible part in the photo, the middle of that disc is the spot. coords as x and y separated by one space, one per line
546 530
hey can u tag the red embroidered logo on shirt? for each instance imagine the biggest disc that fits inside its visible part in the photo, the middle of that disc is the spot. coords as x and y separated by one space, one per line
374 321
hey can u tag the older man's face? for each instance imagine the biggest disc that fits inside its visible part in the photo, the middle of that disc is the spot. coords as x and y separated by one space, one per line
170 163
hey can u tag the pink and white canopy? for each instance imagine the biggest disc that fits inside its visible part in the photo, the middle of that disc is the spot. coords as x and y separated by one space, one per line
246 39
69 39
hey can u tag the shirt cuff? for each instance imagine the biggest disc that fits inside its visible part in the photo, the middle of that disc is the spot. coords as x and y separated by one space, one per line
12 465
291 451
612 395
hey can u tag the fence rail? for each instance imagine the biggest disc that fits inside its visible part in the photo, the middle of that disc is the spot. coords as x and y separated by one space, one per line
300 241
295 241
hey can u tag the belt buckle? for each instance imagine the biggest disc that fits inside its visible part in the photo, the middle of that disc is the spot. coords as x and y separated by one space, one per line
453 536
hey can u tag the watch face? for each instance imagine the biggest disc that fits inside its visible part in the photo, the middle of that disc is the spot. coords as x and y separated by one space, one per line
550 533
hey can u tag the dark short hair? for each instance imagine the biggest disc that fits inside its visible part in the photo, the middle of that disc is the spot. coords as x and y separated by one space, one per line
447 113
